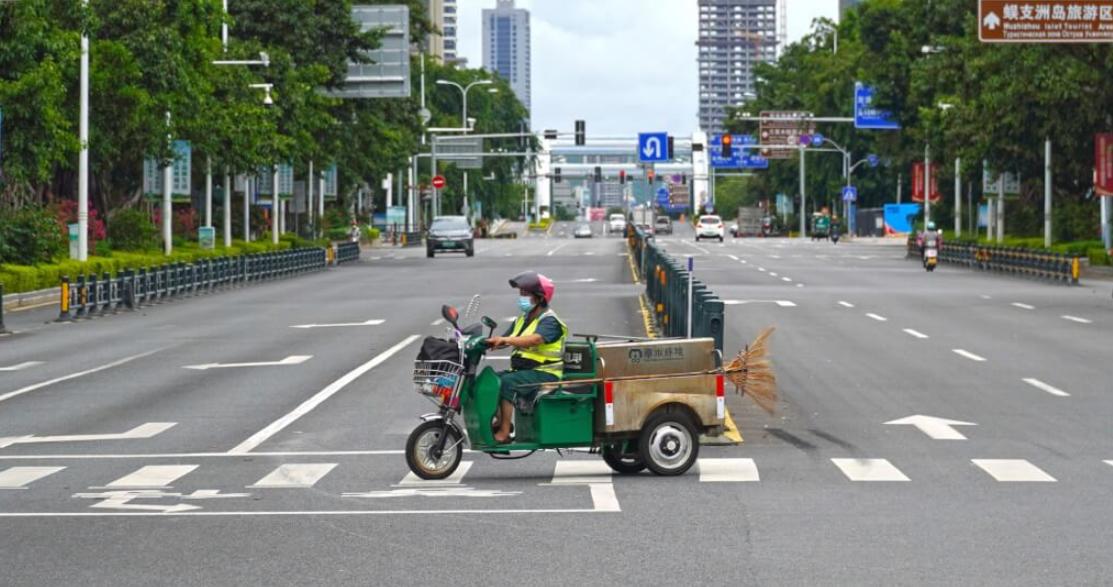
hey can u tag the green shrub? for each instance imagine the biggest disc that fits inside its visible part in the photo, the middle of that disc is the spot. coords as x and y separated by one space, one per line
29 236
1098 256
132 230
371 233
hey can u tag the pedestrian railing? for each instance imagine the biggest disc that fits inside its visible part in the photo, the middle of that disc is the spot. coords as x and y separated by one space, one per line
347 252
91 295
1058 267
666 290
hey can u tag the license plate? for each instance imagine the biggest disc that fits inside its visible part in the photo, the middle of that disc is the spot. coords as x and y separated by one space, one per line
449 243
932 253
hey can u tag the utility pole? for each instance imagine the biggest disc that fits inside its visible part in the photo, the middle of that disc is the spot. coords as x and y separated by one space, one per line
167 206
927 185
1000 208
83 156
958 196
1047 194
227 207
274 206
900 185
803 196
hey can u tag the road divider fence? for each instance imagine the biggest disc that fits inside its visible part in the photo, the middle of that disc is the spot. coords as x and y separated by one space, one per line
86 296
1057 267
666 289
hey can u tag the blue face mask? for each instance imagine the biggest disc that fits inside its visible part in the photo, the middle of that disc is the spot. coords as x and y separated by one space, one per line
525 304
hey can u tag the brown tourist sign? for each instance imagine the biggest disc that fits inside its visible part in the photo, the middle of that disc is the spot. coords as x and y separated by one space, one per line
1045 21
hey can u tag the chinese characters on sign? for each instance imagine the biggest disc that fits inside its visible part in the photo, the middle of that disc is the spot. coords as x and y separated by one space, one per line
784 128
918 182
1103 164
1045 21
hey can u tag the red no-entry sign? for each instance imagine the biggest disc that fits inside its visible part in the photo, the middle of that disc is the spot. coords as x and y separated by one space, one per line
438 182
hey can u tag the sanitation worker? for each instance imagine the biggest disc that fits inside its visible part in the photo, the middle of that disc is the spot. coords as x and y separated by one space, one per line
537 337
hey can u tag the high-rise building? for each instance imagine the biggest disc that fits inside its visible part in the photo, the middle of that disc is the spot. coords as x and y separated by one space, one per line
448 31
506 46
734 36
433 45
845 5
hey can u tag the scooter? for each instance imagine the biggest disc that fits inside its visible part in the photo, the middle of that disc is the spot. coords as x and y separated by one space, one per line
931 257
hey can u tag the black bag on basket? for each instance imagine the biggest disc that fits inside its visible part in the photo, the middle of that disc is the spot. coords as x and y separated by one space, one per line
438 349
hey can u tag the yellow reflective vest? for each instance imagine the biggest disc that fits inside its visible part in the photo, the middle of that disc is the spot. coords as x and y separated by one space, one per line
550 356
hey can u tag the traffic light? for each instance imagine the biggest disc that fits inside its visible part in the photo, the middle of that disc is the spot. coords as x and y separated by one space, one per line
581 133
650 176
728 146
670 147
622 176
550 135
598 174
556 175
684 178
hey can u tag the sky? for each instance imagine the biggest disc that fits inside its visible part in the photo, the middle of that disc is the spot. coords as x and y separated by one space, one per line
624 66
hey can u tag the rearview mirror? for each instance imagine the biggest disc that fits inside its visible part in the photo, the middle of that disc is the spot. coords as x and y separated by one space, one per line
451 315
490 323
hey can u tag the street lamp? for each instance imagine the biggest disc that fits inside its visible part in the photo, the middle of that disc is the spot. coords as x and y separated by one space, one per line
263 60
464 120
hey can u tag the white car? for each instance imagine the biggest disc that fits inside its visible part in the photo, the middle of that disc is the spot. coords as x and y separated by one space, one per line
709 226
617 223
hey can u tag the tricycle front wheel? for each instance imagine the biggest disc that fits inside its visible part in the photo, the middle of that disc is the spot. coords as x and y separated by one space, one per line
422 444
623 462
669 443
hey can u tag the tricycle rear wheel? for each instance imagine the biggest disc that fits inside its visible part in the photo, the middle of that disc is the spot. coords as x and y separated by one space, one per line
669 443
421 443
623 462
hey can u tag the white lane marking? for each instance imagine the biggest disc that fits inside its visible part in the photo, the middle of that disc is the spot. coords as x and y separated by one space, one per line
774 256
762 269
308 405
877 317
915 333
295 475
781 303
198 455
589 253
846 304
1023 306
43 384
585 280
153 476
148 430
20 477
1045 387
772 274
985 297
437 322
179 511
291 360
552 252
727 470
21 366
603 498
799 285
1076 319
869 470
786 304
969 355
1010 470
735 257
786 279
1110 463
567 472
744 261
454 479
936 428
372 322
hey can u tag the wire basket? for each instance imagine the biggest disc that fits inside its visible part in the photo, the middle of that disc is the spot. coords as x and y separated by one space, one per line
438 380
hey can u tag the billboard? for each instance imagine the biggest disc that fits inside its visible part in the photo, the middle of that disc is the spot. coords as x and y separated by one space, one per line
782 130
1045 21
1103 164
918 182
180 174
387 74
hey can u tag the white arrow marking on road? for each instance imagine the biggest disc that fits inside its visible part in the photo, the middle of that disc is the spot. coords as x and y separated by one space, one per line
21 366
936 428
1077 319
148 430
341 325
121 503
291 360
1045 387
652 148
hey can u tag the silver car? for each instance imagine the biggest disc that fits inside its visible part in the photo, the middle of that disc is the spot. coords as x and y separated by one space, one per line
582 231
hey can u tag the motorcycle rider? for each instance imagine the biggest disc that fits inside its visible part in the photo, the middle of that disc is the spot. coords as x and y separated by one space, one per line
537 337
930 239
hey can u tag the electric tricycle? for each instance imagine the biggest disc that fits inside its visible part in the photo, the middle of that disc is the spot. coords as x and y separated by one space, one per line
640 403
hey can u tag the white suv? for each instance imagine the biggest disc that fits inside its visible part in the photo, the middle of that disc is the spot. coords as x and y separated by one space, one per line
709 226
618 223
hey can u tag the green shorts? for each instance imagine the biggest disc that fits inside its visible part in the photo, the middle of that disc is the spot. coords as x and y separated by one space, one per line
521 385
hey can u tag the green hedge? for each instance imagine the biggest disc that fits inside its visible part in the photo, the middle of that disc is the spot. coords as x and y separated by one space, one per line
23 278
1093 249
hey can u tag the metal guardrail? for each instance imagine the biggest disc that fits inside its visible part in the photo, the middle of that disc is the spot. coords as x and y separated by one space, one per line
90 295
346 252
666 288
1058 267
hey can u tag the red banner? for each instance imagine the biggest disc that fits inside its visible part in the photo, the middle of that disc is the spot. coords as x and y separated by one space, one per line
1103 164
918 182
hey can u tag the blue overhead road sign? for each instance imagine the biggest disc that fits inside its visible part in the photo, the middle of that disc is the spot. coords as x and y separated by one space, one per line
653 147
868 117
742 157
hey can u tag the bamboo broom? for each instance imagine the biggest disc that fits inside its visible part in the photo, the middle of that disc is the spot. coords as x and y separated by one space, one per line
752 373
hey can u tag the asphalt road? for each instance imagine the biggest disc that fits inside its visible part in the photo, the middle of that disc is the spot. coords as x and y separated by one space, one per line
243 473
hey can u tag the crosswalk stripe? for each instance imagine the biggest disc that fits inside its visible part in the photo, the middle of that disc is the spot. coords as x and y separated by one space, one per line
869 470
153 476
454 479
581 472
1009 470
727 470
20 477
295 475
